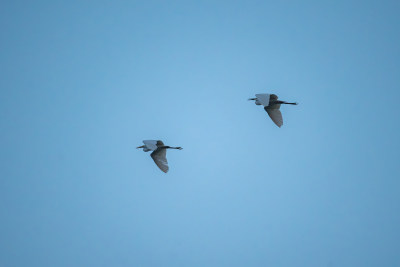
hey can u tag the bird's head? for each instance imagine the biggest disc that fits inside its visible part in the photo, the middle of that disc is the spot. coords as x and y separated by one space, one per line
140 147
256 101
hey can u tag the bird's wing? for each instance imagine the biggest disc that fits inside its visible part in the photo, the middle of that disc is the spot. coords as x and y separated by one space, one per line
273 97
263 99
160 158
159 143
275 114
150 144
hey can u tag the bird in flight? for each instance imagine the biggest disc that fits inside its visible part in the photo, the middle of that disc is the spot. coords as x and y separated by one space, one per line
271 105
159 154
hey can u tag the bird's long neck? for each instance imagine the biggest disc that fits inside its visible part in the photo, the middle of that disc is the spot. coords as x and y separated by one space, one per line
290 103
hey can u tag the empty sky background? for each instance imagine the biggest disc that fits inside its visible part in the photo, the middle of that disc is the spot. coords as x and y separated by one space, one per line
84 82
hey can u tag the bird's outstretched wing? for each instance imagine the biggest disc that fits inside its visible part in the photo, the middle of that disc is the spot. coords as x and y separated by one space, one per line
273 97
160 158
151 145
263 99
275 114
159 143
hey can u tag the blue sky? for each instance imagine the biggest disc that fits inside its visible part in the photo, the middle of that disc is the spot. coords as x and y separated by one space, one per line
83 83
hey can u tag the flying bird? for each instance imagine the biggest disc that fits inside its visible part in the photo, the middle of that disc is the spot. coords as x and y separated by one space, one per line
271 105
159 154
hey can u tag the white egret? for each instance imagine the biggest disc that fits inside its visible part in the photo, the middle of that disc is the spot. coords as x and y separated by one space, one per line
159 154
271 105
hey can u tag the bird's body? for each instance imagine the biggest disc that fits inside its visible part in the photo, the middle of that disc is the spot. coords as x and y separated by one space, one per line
271 106
159 154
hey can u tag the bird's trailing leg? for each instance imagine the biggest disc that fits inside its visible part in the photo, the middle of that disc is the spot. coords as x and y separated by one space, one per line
281 102
171 147
140 147
295 103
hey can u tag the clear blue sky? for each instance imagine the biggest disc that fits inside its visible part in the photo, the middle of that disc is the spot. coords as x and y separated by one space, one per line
84 82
